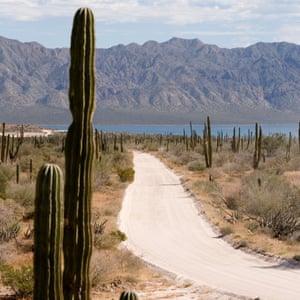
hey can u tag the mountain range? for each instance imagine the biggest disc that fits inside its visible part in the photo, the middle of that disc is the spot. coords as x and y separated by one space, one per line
171 82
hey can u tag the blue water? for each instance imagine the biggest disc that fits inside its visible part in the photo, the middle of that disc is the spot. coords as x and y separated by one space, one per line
268 129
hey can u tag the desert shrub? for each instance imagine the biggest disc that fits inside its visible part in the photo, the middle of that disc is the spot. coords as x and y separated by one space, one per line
296 257
233 168
10 214
233 201
272 202
243 243
3 185
9 232
126 175
226 230
6 174
271 143
110 164
22 194
111 239
19 280
196 165
121 160
102 171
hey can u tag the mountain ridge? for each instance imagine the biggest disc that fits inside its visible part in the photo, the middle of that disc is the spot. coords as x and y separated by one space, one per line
169 82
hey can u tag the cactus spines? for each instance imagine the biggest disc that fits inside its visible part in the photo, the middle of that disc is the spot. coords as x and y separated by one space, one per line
128 295
79 152
48 233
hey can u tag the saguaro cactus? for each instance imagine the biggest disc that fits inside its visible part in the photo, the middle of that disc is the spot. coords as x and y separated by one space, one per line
258 143
207 145
128 295
79 152
48 234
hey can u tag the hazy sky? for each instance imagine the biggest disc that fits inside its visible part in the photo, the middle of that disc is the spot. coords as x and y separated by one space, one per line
226 23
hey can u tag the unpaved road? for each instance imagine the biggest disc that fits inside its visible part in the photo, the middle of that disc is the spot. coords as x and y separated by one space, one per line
165 228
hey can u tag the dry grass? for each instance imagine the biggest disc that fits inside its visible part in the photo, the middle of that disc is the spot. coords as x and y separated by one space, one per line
211 196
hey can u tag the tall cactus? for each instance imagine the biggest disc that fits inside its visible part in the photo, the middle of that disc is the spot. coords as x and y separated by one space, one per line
79 154
3 143
48 234
257 146
207 145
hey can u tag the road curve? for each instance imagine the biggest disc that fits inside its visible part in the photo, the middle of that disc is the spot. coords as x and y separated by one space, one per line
164 227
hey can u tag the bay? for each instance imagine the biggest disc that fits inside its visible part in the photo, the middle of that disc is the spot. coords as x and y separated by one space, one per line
226 129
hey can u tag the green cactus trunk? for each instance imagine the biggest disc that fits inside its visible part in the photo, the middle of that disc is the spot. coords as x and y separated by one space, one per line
207 144
3 143
79 153
128 295
48 234
257 146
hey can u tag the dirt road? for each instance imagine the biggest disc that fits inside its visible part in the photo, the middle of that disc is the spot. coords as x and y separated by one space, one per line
165 228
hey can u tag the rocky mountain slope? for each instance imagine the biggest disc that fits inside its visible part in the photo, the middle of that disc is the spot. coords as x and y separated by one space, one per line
171 82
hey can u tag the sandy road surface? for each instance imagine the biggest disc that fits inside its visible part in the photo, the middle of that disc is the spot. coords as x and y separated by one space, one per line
164 227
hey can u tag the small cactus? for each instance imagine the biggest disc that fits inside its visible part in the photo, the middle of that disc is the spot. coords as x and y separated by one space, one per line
128 295
48 233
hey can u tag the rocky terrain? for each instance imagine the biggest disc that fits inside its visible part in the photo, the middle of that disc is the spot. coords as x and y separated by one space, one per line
170 82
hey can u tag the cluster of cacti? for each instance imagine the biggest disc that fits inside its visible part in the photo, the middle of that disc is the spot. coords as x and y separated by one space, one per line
257 146
207 144
105 142
48 233
79 151
7 145
128 295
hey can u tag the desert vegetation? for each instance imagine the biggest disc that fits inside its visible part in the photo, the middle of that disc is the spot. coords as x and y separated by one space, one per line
248 186
254 207
112 171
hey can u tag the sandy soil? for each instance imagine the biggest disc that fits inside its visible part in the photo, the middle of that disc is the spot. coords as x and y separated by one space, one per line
166 229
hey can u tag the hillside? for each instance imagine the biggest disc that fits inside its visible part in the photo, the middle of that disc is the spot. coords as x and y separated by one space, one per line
171 82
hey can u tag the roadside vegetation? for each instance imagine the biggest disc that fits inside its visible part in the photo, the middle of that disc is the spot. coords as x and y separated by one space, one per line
247 186
112 268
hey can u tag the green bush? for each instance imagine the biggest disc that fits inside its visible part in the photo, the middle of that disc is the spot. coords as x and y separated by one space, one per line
296 257
126 175
110 240
19 280
226 230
